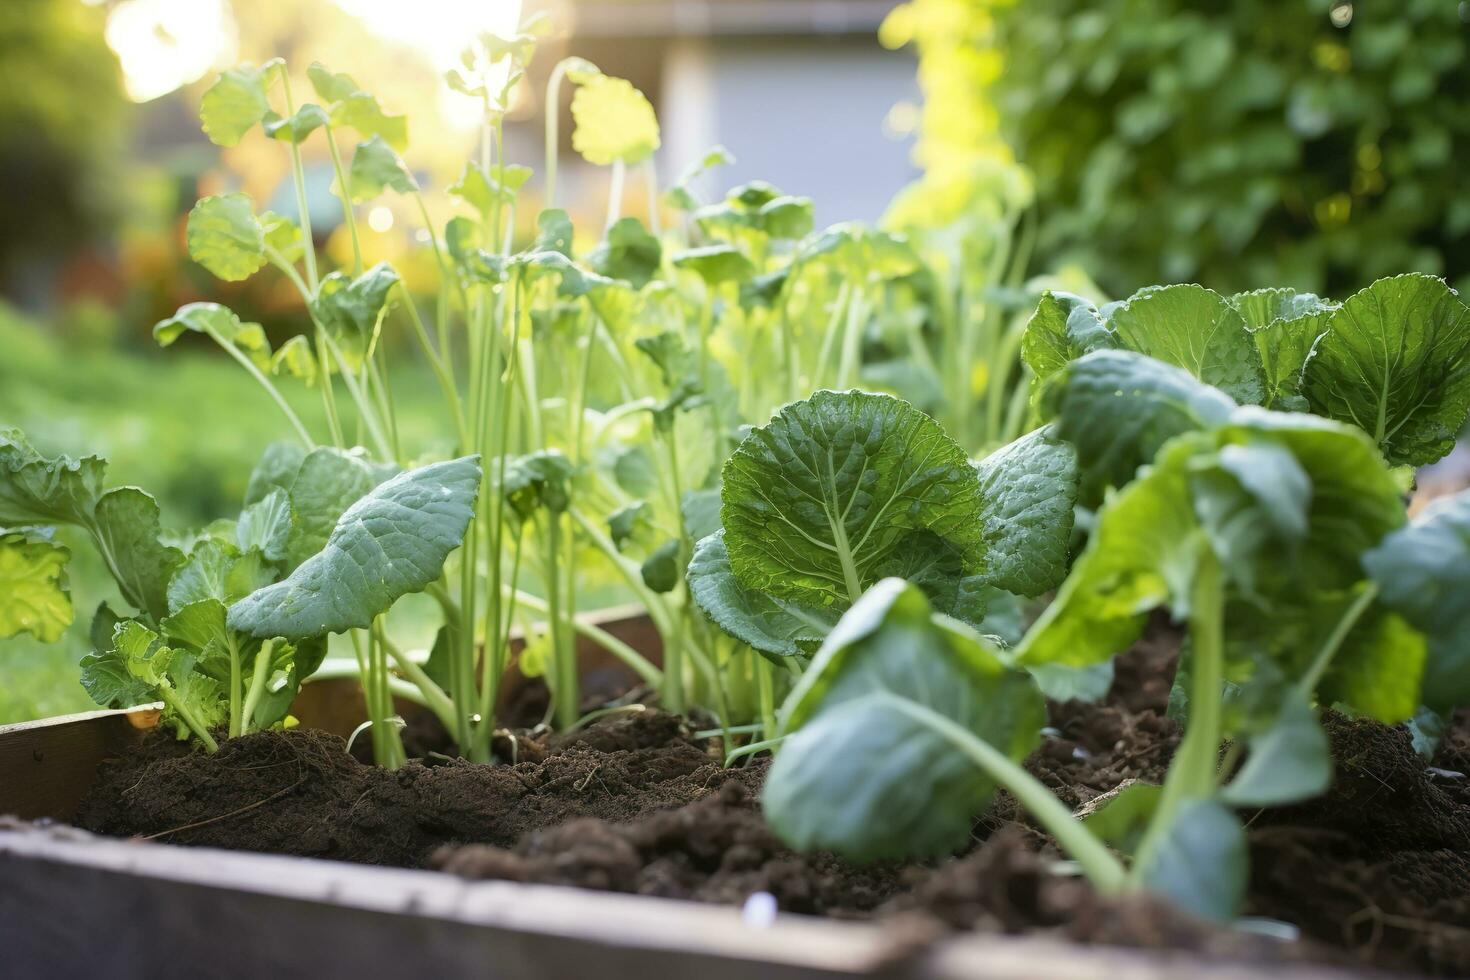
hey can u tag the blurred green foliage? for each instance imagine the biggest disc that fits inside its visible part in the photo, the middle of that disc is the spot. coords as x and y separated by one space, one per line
1315 143
61 129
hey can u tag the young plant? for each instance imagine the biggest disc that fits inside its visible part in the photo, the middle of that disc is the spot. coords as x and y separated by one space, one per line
845 489
1251 531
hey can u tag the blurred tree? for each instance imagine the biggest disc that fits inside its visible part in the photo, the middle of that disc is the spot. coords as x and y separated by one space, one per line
1315 143
61 116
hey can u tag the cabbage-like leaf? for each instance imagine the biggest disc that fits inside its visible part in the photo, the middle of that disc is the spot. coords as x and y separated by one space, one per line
127 529
769 624
1063 328
225 237
266 526
866 773
392 542
350 308
1028 491
216 570
33 593
35 489
276 469
1196 329
1118 408
1285 326
1395 362
1423 572
1289 762
818 499
327 482
1201 863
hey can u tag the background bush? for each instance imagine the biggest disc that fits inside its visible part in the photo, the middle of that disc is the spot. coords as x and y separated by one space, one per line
1312 143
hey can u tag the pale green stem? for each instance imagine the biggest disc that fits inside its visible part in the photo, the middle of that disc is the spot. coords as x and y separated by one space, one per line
1307 686
187 715
270 388
235 692
615 192
345 190
258 677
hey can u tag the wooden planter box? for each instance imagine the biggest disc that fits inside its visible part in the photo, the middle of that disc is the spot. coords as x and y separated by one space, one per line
73 904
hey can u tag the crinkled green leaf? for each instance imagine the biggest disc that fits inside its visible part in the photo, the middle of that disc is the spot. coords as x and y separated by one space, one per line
277 468
216 570
127 529
538 481
225 237
326 483
33 591
1396 363
266 526
865 772
351 307
1423 572
818 499
198 624
352 107
1118 408
1196 329
297 359
36 489
660 571
1286 326
392 542
769 624
1028 491
1063 328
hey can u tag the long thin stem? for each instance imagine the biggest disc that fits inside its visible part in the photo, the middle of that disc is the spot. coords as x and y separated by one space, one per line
178 706
298 177
345 190
441 372
1098 863
1307 686
275 394
615 192
235 692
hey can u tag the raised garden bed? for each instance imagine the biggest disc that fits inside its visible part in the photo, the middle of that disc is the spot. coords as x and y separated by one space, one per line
645 808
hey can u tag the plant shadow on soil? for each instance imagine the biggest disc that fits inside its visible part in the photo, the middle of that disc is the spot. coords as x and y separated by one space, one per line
1377 872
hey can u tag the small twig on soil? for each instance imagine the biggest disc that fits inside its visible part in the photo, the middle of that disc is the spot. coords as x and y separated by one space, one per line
225 816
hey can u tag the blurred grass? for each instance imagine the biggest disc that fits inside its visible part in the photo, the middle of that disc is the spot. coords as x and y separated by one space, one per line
186 425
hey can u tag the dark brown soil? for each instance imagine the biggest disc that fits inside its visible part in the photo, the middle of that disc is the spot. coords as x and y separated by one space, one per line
1377 871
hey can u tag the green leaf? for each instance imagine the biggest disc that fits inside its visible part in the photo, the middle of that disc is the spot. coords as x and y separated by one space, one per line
107 678
715 264
216 570
1423 573
1286 327
629 253
217 322
614 121
1142 555
786 217
1063 328
537 481
35 489
1396 363
351 308
236 102
225 237
298 126
198 624
815 501
1289 762
283 235
350 106
862 773
127 531
765 622
1118 408
392 542
553 232
266 526
376 166
1252 500
277 468
1121 816
33 592
660 570
291 663
296 358
1028 490
1196 329
327 482
1202 862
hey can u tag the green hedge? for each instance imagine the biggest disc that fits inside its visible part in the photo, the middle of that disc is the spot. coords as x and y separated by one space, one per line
1315 143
